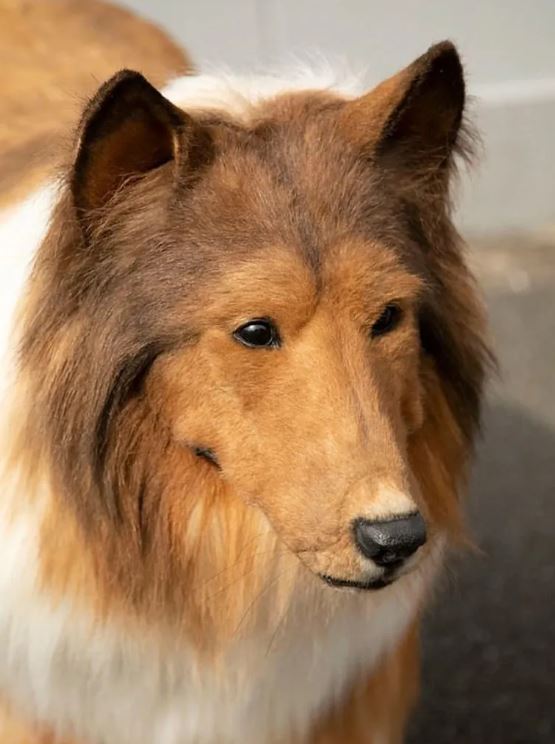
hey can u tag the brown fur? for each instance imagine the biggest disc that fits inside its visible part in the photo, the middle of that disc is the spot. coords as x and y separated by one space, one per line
41 93
128 359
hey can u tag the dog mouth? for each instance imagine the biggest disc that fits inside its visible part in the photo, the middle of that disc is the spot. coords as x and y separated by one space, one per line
380 582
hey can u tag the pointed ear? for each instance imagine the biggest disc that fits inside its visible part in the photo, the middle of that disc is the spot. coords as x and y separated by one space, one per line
415 115
127 129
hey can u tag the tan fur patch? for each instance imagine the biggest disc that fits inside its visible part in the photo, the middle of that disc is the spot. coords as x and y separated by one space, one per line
16 731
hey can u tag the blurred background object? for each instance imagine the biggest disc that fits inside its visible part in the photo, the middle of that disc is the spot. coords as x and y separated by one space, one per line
490 639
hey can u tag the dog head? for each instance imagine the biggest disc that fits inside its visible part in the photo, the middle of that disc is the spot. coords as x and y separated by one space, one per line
259 325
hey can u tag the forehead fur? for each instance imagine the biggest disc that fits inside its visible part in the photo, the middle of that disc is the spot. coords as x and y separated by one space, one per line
285 178
289 176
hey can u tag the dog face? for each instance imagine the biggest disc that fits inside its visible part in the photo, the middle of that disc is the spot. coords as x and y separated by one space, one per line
261 316
302 387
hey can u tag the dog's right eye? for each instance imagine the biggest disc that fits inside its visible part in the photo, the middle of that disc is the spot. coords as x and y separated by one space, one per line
258 333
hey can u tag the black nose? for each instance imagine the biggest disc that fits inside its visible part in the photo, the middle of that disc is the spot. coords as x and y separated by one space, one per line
391 542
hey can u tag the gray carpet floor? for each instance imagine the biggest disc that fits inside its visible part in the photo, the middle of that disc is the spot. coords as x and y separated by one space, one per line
489 641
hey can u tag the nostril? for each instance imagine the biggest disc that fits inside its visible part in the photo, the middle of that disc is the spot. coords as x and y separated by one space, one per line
389 543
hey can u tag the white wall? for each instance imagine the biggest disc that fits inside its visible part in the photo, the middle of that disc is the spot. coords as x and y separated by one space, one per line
508 47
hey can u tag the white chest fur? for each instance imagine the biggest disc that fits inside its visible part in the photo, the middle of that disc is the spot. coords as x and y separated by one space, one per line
22 229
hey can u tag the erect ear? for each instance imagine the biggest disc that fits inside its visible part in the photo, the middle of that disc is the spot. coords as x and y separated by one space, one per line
127 129
414 116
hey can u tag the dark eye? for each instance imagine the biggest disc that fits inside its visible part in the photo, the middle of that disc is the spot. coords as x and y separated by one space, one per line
388 320
258 333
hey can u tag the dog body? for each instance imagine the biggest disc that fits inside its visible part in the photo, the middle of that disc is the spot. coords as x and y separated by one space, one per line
163 538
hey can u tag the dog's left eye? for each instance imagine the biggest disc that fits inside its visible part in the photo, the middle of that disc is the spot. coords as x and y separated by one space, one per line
388 320
258 333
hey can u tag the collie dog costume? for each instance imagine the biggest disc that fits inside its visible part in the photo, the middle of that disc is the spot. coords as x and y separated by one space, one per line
243 363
